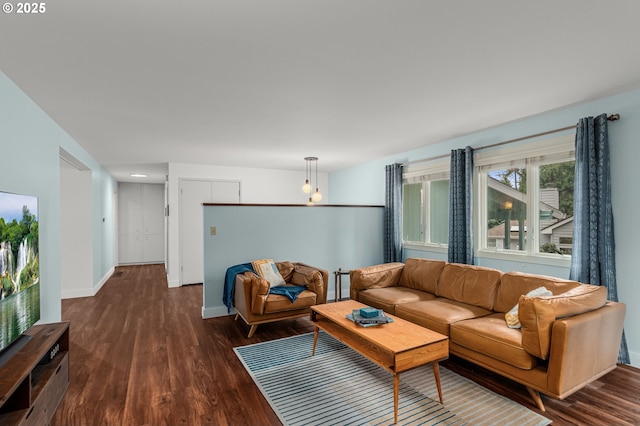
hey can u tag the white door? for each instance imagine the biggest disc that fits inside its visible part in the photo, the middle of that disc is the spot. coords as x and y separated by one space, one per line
129 223
192 194
140 223
153 223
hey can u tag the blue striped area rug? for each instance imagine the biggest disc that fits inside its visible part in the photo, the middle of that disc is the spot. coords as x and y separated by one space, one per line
338 386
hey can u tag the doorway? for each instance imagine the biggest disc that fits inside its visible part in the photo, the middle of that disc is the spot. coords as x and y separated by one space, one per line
76 243
140 223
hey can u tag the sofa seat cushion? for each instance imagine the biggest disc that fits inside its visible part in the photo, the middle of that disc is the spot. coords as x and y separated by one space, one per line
491 336
387 298
438 314
278 303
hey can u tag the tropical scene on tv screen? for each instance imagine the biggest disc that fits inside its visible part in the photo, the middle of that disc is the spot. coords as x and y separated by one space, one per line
19 265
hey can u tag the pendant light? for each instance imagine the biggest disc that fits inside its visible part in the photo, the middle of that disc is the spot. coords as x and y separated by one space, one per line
306 188
317 196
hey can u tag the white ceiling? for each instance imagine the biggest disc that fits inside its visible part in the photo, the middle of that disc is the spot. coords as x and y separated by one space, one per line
264 83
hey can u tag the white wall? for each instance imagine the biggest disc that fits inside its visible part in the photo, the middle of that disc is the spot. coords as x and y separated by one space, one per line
625 176
76 251
260 186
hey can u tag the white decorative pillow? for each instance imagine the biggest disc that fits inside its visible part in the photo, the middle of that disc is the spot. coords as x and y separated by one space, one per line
513 321
267 269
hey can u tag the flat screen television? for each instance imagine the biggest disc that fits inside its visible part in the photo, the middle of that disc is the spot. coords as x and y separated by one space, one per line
19 267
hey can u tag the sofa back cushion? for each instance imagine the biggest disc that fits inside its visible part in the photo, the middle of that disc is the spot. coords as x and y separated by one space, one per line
475 285
376 276
286 270
515 284
422 274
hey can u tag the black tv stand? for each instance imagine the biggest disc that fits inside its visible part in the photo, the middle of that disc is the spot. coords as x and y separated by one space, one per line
30 389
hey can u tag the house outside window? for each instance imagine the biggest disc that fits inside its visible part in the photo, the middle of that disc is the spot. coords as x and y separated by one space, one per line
507 208
525 199
425 207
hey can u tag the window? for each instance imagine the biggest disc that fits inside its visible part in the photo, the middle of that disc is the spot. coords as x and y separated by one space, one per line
425 214
412 225
556 207
507 208
525 198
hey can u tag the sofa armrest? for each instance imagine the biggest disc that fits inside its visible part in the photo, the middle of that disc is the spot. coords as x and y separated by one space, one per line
584 347
376 276
251 293
242 296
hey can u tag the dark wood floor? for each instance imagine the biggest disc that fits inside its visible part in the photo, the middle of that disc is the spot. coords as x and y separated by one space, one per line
141 354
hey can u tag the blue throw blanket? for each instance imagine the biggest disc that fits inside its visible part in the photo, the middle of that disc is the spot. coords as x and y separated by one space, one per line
229 280
291 291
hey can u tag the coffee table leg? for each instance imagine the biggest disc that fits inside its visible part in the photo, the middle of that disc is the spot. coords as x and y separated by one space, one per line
436 374
396 387
315 340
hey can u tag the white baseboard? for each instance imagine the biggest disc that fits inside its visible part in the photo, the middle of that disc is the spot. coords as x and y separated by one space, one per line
87 292
173 283
74 294
216 311
104 280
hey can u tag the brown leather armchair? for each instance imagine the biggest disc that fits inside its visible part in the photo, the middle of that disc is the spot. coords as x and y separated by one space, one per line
256 305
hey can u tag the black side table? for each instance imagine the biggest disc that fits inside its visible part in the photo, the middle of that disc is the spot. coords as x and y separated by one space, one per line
338 283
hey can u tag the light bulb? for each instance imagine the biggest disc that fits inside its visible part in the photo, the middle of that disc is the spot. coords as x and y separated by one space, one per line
306 188
317 196
310 202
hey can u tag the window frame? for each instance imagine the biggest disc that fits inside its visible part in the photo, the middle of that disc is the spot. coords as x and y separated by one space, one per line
425 173
532 155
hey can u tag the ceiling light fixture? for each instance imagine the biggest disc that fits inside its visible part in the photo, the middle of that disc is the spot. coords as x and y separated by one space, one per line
138 175
306 188
317 196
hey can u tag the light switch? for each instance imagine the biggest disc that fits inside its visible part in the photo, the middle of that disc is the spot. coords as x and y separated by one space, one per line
213 230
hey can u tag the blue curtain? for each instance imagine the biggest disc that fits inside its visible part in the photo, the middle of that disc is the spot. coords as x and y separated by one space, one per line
593 255
460 206
393 213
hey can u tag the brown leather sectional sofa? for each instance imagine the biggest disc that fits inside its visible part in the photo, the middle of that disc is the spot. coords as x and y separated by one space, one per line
565 341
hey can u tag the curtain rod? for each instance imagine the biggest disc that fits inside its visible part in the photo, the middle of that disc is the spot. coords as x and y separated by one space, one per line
612 117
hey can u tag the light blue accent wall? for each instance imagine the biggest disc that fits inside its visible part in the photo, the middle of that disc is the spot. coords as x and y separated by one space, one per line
363 184
625 175
31 142
328 237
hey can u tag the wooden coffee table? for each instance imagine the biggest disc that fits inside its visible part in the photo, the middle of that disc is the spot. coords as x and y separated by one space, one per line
397 347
